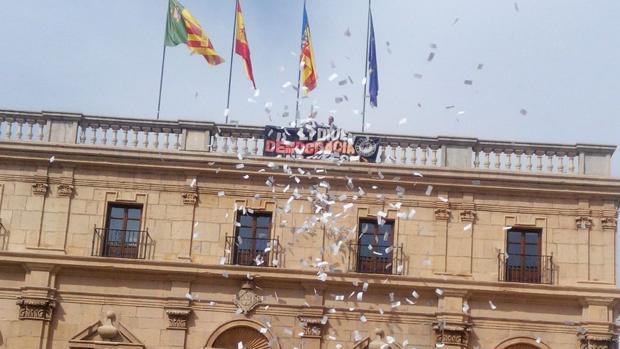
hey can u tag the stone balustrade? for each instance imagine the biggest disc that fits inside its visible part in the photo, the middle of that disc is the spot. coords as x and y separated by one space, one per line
398 150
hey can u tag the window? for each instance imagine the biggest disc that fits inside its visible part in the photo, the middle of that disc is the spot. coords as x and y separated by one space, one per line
122 232
252 245
374 247
523 260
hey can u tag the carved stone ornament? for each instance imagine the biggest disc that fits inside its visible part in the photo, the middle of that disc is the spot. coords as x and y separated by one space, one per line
313 326
597 341
190 198
177 318
583 222
442 214
468 215
40 189
65 190
379 341
609 223
455 335
247 299
36 308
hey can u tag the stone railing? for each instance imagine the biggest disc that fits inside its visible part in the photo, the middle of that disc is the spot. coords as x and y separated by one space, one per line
199 136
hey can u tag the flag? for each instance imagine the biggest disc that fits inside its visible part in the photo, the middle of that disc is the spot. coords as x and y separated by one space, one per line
373 84
183 28
308 70
241 45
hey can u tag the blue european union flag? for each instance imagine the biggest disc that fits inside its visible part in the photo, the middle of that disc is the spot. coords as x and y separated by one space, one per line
373 84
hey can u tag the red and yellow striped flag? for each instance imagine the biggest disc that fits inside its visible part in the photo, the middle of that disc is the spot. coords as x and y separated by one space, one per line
242 47
182 27
308 70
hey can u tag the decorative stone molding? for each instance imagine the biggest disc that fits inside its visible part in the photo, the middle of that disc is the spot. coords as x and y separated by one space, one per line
177 318
468 216
36 308
379 341
313 326
442 214
105 335
40 189
597 341
190 198
65 190
583 222
609 223
247 299
455 335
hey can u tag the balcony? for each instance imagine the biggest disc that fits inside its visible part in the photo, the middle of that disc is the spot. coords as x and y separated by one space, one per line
118 243
4 238
532 269
362 260
231 139
252 252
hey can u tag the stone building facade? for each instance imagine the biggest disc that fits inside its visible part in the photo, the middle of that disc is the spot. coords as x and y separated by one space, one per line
126 233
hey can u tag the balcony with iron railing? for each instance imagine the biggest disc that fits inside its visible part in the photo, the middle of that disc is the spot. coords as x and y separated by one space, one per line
118 243
522 268
233 139
363 259
258 252
4 238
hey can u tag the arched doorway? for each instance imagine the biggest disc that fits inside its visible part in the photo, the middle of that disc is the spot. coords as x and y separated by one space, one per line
522 343
248 332
521 346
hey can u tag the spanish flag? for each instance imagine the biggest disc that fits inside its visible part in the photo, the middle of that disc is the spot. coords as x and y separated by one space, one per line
308 70
183 28
241 45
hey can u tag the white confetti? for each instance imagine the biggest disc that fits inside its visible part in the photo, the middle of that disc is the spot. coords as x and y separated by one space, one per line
52 158
226 112
332 77
263 330
360 295
538 339
287 84
415 294
507 228
467 227
493 306
429 190
402 121
257 92
439 292
441 198
363 318
193 183
221 193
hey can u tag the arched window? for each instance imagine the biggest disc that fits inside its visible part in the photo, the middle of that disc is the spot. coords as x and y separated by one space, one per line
521 346
250 333
522 343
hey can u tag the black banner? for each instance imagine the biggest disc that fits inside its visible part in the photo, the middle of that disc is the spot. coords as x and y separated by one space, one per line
313 142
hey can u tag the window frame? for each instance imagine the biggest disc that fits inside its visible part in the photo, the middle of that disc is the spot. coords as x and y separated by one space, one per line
524 273
373 259
125 248
253 252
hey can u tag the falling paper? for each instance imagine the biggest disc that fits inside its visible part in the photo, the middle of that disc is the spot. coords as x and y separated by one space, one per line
221 193
418 76
402 121
467 227
431 56
347 32
492 305
468 82
287 84
523 112
363 318
52 158
439 292
332 77
193 184
429 190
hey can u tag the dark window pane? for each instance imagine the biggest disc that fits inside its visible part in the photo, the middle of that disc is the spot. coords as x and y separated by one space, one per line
134 213
531 250
245 232
263 222
514 249
116 224
531 237
246 220
262 233
117 212
133 225
514 236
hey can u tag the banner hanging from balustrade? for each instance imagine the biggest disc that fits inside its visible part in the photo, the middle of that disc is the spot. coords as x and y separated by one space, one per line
319 143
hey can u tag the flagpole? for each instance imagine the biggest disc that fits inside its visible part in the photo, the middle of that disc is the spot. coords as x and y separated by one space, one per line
232 56
299 75
366 69
163 61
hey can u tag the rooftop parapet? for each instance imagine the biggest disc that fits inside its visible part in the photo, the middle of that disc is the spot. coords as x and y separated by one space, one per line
201 136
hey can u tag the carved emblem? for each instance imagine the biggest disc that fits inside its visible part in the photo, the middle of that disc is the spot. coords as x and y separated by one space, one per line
39 189
36 309
442 214
468 215
190 198
177 318
457 335
65 190
313 326
247 299
583 222
609 222
597 342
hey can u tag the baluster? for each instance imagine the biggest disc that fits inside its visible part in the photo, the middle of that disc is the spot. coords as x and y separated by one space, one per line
414 154
434 155
550 155
114 135
9 128
177 142
560 157
518 153
125 139
487 158
424 158
147 134
383 156
244 147
529 160
135 130
393 153
95 128
166 138
30 124
403 153
83 134
41 129
255 148
104 129
225 146
156 132
1 126
571 163
539 166
477 158
214 143
20 125
508 154
235 146
498 160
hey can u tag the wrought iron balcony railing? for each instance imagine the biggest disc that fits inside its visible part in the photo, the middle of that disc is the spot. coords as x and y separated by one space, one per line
252 251
4 238
522 268
136 244
364 260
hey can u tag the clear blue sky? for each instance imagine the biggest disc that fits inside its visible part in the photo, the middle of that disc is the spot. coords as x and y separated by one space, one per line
558 59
